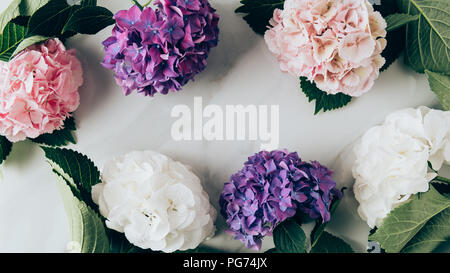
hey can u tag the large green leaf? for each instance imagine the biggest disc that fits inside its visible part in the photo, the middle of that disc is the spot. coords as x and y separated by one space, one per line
11 12
118 243
89 20
435 232
28 42
443 180
87 3
28 7
51 18
272 250
26 22
323 100
398 20
87 228
12 36
60 137
76 175
76 166
428 38
440 84
259 12
408 223
5 148
289 237
19 8
329 243
77 170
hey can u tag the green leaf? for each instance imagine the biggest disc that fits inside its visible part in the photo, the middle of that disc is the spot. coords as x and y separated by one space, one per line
89 3
5 148
441 179
51 18
289 237
319 228
323 100
440 84
21 21
428 39
78 171
434 233
19 8
328 243
89 20
74 166
398 20
87 228
28 42
442 187
136 2
118 243
409 220
259 12
60 137
11 12
12 36
29 7
272 250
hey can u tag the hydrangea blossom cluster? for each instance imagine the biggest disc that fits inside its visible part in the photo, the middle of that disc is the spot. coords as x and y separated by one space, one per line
38 90
392 160
270 188
157 202
335 43
157 51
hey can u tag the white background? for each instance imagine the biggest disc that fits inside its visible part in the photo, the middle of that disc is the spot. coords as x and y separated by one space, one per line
241 71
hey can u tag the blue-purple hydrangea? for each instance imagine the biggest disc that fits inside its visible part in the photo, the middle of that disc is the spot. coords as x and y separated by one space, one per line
272 187
160 50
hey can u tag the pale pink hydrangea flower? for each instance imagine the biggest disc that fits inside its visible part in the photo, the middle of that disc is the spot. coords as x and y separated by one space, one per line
335 43
38 90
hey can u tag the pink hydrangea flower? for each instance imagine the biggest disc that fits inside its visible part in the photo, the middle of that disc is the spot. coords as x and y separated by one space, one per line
335 43
38 90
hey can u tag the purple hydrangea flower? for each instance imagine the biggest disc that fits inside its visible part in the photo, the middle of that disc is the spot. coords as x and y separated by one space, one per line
272 187
161 50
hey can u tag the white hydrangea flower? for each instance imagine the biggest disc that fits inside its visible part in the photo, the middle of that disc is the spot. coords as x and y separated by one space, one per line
157 202
392 160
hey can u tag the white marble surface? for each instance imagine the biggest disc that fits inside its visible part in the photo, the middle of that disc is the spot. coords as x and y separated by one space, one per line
240 71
